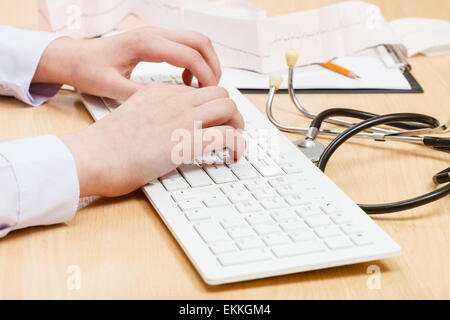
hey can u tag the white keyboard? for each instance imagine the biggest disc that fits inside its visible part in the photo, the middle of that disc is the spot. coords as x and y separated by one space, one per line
271 213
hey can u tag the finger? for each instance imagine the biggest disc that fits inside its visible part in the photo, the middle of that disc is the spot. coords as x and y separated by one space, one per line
187 77
179 55
183 89
175 88
199 42
219 112
119 87
201 96
221 137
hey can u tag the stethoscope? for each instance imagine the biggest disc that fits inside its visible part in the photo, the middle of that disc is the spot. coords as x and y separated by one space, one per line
414 126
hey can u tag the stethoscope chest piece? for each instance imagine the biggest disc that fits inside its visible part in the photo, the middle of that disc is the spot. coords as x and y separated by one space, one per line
312 149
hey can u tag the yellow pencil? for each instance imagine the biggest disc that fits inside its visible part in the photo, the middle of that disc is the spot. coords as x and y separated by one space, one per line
341 70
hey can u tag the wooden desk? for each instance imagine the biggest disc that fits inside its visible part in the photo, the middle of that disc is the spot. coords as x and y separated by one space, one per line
124 250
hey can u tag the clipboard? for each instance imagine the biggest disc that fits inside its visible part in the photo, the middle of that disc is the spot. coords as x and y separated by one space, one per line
398 61
415 88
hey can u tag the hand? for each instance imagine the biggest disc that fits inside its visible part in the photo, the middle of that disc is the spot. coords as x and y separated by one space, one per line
103 66
135 144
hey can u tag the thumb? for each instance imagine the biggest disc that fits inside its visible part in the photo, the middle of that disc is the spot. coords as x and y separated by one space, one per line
122 88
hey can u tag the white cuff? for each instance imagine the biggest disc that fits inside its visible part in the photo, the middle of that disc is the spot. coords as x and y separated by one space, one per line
20 53
47 180
9 204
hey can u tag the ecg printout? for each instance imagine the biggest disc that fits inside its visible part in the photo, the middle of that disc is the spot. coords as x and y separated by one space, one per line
319 35
241 33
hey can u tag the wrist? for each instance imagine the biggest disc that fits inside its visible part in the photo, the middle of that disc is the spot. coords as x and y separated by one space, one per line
58 62
89 169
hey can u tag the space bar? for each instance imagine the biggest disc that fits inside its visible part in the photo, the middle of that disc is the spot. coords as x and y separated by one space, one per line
247 256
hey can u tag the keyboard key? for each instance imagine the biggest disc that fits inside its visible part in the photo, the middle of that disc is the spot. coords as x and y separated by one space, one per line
163 77
256 184
266 229
361 239
176 79
232 187
318 221
283 214
280 158
279 181
240 232
198 214
263 193
224 155
299 248
244 171
248 206
269 141
240 196
302 235
315 197
287 190
251 132
328 231
340 218
195 175
208 158
290 225
220 173
249 243
350 228
222 247
296 200
211 232
232 222
174 181
245 256
223 212
273 203
329 208
291 167
309 188
338 243
267 168
258 218
251 152
275 239
190 204
184 194
308 210
216 201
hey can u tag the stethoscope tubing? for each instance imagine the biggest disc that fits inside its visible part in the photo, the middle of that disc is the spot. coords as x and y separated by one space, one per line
342 122
394 206
303 130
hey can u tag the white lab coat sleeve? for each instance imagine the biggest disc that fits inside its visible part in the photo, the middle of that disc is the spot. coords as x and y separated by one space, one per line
38 183
20 53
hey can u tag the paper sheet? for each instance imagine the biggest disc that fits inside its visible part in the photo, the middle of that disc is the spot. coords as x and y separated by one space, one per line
367 63
419 35
242 34
373 72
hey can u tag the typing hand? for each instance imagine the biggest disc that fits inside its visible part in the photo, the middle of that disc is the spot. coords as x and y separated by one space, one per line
140 140
103 66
